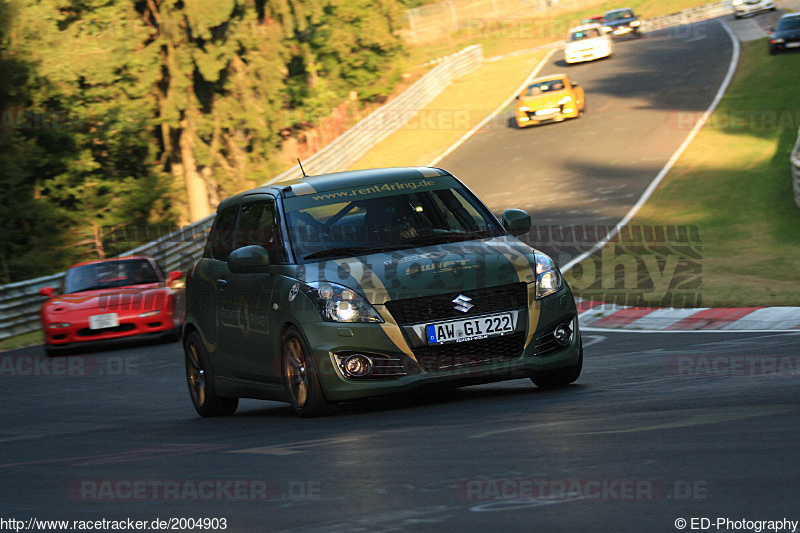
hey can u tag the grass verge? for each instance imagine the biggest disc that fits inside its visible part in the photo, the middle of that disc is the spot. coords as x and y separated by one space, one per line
21 341
528 28
734 184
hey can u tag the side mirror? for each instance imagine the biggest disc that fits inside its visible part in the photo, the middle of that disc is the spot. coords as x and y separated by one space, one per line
575 85
516 97
516 221
248 259
173 277
47 291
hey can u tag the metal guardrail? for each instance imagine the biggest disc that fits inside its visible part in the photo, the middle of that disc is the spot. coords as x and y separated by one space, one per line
688 16
795 161
20 302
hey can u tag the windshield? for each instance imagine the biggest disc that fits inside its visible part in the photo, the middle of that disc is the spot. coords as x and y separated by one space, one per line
325 226
613 16
589 33
792 23
110 274
544 87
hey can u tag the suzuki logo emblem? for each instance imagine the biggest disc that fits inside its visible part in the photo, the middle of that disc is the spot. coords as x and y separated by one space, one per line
463 303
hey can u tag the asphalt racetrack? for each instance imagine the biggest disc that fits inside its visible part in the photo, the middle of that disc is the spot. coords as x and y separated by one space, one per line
660 426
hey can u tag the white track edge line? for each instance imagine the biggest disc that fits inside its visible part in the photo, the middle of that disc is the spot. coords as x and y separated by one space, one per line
494 113
672 160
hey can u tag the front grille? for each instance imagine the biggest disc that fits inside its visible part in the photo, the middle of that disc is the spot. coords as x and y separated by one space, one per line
430 308
86 332
384 366
470 354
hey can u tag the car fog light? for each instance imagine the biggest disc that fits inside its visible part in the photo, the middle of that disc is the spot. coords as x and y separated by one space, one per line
562 334
357 365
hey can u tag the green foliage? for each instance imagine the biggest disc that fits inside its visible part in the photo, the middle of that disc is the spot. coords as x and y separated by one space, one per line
112 111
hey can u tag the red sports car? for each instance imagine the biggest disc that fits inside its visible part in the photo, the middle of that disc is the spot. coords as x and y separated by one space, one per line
112 299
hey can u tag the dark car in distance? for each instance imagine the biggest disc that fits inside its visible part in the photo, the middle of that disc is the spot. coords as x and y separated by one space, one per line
619 22
787 35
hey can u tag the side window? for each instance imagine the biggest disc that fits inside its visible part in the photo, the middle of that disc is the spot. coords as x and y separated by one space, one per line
222 235
257 226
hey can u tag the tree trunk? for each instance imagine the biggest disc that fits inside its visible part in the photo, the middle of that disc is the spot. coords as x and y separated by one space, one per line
196 190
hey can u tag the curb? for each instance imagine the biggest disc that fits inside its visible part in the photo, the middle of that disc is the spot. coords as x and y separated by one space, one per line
602 316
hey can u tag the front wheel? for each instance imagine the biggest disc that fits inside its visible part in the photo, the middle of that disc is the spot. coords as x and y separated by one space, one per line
200 379
560 377
300 378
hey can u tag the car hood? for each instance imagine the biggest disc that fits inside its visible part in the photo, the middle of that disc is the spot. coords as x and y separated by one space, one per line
429 270
786 34
586 44
101 298
617 23
549 99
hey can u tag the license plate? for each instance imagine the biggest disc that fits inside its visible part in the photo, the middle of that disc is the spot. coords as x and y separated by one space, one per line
106 320
621 31
792 45
470 329
547 111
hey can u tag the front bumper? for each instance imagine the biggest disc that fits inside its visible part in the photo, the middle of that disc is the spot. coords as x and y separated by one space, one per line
746 9
531 118
412 367
585 55
79 333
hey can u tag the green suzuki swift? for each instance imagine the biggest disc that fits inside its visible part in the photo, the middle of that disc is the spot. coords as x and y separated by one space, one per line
352 285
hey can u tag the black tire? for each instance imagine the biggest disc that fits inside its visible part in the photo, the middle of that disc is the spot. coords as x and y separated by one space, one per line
300 378
561 377
200 379
173 335
54 352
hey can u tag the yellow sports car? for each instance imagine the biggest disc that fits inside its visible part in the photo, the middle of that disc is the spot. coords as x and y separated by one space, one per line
550 99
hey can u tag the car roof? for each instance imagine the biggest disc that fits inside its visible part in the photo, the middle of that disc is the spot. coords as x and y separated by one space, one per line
336 181
547 78
620 9
112 259
584 27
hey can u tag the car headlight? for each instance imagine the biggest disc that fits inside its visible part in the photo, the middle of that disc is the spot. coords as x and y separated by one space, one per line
548 278
524 108
737 2
565 100
778 41
606 29
635 23
337 303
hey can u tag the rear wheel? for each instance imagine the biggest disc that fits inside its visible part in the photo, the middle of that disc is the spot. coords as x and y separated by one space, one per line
560 377
200 379
300 378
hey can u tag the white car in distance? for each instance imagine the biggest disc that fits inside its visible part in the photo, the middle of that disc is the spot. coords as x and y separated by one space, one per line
587 43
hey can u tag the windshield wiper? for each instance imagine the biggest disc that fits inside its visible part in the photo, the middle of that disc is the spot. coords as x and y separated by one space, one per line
343 251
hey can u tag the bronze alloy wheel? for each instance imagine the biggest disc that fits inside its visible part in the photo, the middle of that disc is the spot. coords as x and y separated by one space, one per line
201 381
300 377
296 373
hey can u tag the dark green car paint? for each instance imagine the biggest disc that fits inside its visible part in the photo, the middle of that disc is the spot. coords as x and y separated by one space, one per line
241 316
